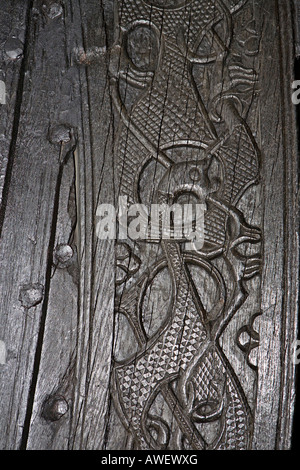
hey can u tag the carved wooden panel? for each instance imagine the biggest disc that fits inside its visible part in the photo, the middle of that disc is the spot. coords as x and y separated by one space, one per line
151 342
188 84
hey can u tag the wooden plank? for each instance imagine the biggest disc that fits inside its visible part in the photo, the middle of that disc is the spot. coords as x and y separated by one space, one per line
297 27
251 341
12 41
151 344
84 351
50 415
29 225
283 315
95 185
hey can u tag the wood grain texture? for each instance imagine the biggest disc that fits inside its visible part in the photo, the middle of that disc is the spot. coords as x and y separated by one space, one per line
139 344
279 303
29 225
296 12
13 40
95 185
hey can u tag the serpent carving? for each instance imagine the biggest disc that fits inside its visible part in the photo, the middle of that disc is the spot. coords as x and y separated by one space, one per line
193 150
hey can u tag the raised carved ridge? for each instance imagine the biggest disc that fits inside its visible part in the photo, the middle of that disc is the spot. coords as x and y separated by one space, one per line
176 388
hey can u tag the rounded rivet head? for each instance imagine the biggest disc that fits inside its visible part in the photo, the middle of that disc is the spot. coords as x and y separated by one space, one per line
54 408
62 255
53 11
60 133
13 48
31 295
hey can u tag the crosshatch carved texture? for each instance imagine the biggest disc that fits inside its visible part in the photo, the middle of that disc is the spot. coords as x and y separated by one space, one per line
186 89
179 389
148 344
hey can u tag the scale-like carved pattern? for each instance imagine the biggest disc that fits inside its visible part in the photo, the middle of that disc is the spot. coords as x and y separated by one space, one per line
172 351
241 164
214 225
170 113
203 13
133 154
236 424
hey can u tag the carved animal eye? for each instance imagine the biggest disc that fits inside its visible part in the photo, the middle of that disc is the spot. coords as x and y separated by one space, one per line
208 411
143 47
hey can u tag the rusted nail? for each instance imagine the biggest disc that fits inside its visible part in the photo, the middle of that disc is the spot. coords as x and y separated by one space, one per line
62 255
31 295
60 133
53 11
13 48
54 408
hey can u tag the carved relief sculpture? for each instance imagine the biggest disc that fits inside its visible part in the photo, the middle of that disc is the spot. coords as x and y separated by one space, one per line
149 225
173 385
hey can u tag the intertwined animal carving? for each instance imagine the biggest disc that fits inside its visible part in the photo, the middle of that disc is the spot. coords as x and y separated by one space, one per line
169 134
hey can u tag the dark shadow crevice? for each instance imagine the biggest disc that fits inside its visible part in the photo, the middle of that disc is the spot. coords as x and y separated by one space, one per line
17 116
296 421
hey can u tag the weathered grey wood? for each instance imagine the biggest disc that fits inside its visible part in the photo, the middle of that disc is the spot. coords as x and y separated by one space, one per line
28 228
88 344
279 279
50 430
83 337
297 26
269 311
290 323
53 395
12 39
95 185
